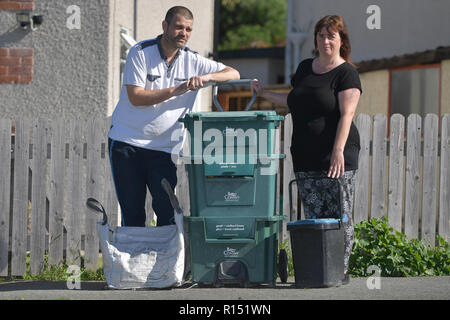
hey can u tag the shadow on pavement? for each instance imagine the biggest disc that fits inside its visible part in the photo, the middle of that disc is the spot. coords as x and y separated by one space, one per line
22 285
48 285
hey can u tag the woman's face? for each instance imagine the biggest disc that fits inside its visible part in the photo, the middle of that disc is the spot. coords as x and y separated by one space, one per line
328 42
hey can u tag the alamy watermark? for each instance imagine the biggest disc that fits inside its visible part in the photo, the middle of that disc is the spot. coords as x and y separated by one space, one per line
373 22
374 281
74 279
229 147
74 19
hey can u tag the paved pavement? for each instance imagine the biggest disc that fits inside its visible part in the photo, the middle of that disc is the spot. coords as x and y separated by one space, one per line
411 288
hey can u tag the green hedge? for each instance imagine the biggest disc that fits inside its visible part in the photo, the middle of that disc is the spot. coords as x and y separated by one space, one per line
377 243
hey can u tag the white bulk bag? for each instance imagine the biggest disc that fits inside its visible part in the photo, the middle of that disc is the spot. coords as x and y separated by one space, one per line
141 257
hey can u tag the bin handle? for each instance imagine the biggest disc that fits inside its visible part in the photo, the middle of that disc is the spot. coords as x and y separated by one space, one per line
290 196
231 82
341 217
229 240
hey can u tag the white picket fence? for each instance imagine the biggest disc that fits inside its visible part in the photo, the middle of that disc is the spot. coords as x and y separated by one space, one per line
49 168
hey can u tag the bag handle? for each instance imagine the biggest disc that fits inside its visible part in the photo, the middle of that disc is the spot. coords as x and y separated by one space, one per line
173 199
97 206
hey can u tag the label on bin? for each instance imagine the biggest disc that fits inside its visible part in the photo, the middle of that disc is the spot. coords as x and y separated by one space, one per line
230 227
231 196
230 252
223 227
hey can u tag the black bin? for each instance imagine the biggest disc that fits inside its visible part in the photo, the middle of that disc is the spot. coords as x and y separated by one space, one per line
318 252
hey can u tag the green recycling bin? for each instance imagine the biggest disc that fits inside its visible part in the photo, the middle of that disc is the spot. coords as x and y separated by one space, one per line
247 256
232 169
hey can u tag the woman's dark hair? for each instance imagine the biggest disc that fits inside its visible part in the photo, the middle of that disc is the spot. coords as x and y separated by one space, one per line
172 12
337 24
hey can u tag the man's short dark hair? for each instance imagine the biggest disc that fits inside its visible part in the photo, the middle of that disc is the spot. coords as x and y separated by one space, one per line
185 12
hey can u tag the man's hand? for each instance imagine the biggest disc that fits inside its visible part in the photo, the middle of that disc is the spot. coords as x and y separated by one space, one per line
181 89
197 82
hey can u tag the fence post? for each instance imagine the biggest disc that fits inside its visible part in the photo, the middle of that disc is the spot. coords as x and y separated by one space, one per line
38 196
5 174
395 189
444 189
430 148
56 193
20 199
412 183
361 203
378 201
73 218
94 188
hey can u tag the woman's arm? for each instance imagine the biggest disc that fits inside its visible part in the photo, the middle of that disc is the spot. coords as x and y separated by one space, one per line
348 101
280 99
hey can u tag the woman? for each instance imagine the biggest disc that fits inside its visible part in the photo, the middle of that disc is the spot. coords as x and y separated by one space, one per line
325 142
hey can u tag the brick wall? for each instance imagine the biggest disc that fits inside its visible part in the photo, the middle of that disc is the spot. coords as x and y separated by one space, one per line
16 4
16 64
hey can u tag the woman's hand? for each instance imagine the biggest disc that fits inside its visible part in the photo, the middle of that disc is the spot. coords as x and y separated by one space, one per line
277 98
257 87
337 164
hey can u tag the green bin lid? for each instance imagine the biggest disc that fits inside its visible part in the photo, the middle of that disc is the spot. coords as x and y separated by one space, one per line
265 115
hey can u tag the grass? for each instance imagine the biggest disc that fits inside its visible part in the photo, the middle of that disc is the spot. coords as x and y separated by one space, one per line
59 272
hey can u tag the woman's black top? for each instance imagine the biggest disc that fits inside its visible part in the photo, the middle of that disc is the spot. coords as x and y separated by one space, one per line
314 107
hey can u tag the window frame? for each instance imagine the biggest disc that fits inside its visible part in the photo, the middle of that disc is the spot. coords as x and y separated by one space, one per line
415 67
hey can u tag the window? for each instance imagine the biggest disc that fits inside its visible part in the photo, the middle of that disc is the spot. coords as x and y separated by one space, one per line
415 89
126 42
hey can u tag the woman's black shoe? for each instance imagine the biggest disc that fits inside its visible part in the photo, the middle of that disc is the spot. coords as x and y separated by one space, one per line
346 279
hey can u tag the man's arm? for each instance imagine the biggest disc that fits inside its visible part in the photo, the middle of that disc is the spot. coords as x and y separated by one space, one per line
138 96
228 73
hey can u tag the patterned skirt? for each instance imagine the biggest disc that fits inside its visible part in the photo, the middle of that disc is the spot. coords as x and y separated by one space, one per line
324 197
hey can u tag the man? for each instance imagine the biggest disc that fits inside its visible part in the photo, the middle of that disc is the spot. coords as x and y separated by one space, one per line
161 80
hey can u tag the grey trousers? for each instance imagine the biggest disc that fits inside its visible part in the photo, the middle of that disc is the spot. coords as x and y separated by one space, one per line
320 199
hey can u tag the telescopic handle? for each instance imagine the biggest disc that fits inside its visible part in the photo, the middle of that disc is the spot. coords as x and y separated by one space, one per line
216 86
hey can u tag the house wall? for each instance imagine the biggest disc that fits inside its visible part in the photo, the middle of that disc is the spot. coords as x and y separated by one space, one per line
265 69
121 14
445 86
375 96
68 74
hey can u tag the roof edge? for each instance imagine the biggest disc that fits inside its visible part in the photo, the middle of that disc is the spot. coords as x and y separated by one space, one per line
417 58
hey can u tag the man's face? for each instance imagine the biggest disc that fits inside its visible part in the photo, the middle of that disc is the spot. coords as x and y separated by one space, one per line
179 30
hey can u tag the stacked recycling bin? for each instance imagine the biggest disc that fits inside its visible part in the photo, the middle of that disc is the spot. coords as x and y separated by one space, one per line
232 168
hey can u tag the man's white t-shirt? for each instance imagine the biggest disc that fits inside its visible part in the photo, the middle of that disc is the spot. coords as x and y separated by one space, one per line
157 127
